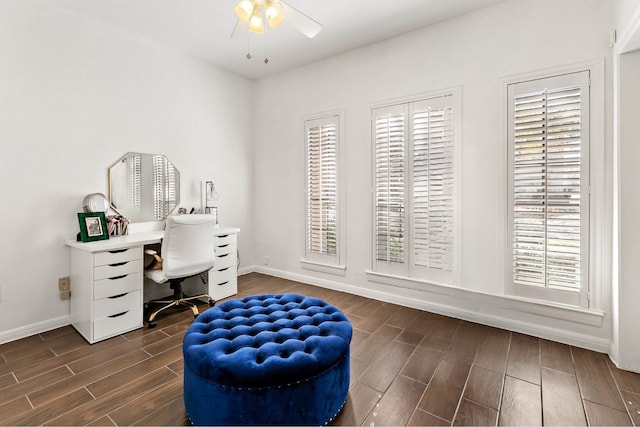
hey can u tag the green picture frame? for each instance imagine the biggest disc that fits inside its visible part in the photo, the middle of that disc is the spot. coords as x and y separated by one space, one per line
93 226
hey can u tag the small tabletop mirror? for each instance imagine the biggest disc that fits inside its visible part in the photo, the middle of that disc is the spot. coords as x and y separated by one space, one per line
144 187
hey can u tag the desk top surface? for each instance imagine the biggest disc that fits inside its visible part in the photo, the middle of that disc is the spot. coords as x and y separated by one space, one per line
133 239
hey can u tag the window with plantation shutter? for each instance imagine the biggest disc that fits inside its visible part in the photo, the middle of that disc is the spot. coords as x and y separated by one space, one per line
390 162
414 189
322 190
549 187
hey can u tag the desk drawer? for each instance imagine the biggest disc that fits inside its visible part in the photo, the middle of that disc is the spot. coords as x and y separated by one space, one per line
218 277
116 270
225 260
225 239
117 304
117 256
117 324
118 285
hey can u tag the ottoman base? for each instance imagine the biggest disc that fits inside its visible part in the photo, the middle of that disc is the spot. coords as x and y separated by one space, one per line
314 401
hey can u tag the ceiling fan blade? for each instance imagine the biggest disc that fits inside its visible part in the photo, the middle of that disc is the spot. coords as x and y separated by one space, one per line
299 20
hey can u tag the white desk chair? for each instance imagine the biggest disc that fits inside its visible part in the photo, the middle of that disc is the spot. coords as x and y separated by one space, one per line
187 250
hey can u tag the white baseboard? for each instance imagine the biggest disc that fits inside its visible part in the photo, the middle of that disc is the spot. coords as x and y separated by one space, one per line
477 316
33 329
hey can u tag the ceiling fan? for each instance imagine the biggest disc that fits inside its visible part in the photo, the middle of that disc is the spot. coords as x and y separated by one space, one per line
253 13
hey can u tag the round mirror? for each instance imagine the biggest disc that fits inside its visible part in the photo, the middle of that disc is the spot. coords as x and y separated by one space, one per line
144 187
95 202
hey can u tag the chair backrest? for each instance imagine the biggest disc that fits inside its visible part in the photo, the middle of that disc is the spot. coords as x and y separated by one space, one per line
188 244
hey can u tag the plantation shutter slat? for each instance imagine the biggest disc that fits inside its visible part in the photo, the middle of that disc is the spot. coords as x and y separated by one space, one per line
547 187
322 187
433 175
389 143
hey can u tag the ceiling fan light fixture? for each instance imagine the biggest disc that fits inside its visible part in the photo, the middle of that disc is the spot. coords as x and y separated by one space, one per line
273 13
244 10
256 24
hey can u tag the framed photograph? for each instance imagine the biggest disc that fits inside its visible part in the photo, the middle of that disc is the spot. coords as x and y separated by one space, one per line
93 226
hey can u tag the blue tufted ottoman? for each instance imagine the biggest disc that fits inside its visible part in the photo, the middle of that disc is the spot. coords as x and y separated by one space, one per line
267 359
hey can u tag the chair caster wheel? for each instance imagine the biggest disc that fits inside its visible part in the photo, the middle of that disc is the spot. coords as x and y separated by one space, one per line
151 324
211 303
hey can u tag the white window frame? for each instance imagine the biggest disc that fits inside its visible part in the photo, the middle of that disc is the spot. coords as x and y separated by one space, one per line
326 263
408 269
595 237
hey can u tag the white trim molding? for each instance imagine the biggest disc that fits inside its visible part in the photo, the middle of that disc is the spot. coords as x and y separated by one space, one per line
33 329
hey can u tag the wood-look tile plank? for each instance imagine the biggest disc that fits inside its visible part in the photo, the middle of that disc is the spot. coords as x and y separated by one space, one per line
632 401
97 408
561 402
397 404
6 380
177 367
172 414
97 358
422 364
473 414
484 387
360 401
102 422
57 333
357 368
493 351
141 407
524 358
386 366
410 337
376 343
521 403
139 370
74 382
422 418
596 382
600 415
445 389
34 384
13 407
32 342
627 381
556 356
403 317
53 408
466 340
18 360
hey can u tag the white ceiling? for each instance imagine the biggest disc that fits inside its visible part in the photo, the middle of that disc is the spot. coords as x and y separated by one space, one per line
202 28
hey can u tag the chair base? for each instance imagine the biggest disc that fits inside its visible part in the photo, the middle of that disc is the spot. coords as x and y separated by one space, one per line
169 302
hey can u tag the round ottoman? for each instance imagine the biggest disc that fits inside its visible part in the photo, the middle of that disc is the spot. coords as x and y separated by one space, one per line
265 360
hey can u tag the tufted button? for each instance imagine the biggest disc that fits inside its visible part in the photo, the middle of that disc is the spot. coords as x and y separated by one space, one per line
262 331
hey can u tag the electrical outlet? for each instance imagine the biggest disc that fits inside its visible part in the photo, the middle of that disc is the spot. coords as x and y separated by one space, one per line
65 294
64 284
266 260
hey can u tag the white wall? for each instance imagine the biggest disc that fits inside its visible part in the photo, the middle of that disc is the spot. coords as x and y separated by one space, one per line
474 51
625 348
75 95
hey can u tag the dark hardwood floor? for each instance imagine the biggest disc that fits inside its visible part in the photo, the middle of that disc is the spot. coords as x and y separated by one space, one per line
408 367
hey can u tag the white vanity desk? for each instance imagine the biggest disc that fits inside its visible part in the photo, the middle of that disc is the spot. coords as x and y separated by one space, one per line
107 280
